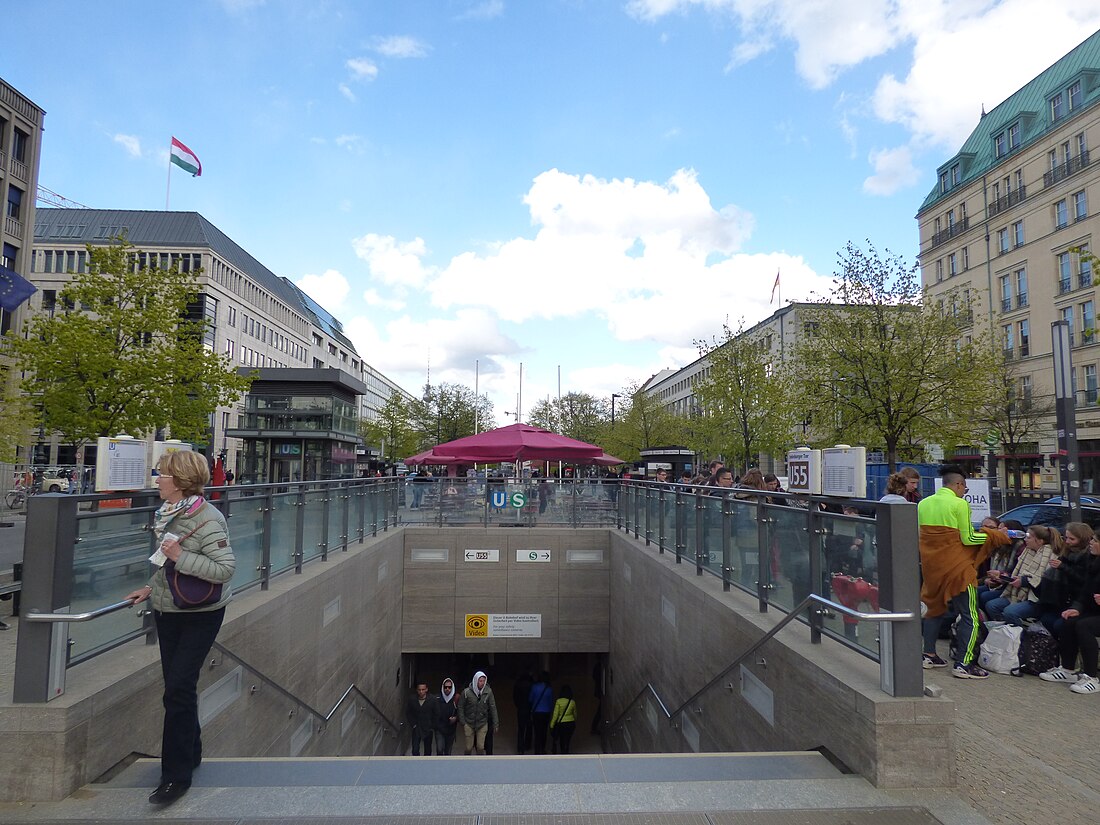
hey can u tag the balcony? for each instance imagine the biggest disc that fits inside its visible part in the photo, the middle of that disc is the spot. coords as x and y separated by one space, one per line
1064 170
1021 300
13 226
19 171
1006 304
1010 354
1086 398
1005 201
1087 337
944 235
1084 280
1065 285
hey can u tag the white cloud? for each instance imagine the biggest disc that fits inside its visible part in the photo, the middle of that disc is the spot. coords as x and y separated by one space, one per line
894 170
329 289
362 68
353 143
130 143
401 46
392 262
373 299
346 91
486 10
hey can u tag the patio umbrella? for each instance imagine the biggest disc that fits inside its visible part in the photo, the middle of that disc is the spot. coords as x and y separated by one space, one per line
605 460
519 442
428 457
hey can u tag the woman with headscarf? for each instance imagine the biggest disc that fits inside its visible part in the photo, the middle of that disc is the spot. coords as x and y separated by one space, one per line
477 710
194 556
446 718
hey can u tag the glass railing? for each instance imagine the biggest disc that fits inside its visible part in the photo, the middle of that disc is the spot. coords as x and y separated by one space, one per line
779 548
84 553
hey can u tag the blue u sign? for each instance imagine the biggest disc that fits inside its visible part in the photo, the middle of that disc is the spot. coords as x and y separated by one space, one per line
499 498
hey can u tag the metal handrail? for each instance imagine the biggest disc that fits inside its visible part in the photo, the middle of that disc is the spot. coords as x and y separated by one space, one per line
35 616
325 718
795 612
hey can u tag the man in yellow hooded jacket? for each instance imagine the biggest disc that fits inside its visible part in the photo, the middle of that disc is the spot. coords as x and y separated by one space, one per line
950 553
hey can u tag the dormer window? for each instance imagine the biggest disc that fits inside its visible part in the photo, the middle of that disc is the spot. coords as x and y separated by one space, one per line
1058 107
1074 95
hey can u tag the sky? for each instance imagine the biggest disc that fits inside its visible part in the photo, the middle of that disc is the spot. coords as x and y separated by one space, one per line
493 188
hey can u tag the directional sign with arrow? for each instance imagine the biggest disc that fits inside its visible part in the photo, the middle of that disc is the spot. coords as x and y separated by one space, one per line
482 555
532 555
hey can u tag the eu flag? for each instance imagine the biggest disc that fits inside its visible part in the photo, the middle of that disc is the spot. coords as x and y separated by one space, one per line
14 289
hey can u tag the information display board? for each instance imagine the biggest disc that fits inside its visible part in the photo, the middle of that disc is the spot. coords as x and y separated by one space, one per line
504 625
844 471
804 471
161 448
120 464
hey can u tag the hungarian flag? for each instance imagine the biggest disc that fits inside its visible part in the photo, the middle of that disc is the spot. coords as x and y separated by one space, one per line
184 158
775 286
14 289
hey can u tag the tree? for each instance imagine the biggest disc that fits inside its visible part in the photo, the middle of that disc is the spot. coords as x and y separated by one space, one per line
392 430
745 399
16 419
126 355
449 411
1016 416
878 364
641 423
577 415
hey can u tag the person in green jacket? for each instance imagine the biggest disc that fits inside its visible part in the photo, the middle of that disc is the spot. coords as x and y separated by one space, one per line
476 711
563 721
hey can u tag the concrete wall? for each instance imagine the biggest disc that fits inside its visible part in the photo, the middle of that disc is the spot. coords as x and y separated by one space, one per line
314 634
570 591
677 630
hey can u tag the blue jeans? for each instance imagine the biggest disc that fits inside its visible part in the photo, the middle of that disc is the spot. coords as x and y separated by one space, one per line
1002 610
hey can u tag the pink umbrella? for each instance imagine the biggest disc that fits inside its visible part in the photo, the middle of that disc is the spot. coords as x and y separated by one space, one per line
519 442
428 457
604 460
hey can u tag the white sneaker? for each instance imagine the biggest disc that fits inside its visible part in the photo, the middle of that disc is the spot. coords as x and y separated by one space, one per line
1058 674
1087 684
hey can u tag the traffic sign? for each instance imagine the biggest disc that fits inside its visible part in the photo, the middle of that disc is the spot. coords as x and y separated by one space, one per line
532 555
482 555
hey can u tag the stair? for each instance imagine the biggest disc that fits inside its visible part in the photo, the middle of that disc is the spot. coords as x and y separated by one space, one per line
671 789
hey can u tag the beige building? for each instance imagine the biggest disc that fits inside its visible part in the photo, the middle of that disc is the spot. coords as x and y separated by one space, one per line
1001 243
20 150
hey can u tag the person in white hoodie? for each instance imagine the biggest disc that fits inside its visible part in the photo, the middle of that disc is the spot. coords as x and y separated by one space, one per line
446 718
476 711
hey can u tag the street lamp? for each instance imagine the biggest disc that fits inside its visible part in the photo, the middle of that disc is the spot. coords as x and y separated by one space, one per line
614 395
1066 417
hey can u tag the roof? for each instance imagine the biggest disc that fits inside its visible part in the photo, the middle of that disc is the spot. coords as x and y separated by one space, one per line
178 230
1030 108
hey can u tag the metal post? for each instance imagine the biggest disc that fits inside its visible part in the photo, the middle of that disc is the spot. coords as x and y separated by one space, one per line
299 530
648 509
267 508
661 520
727 543
699 533
326 506
763 553
900 643
42 648
814 538
1066 418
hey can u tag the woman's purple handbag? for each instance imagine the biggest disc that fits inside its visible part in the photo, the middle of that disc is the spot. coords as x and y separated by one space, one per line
190 591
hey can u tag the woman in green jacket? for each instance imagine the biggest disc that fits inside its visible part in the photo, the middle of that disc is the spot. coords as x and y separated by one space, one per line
193 540
563 721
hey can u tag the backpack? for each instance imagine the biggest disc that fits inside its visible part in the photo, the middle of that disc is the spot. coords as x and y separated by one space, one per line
1038 651
1001 648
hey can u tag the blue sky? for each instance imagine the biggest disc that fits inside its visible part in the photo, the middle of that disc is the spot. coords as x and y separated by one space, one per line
590 185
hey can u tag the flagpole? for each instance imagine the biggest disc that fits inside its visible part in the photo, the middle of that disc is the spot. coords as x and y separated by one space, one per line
168 190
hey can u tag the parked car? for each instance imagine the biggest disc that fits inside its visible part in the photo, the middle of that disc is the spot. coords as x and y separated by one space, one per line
1052 513
56 479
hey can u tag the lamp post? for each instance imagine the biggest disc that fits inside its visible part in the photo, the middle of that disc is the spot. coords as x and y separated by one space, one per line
614 395
1066 418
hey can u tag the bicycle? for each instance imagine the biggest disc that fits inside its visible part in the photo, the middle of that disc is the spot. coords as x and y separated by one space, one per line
16 499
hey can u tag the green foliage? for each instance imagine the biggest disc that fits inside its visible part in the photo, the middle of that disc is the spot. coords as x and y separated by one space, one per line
641 423
877 364
392 431
577 415
16 419
123 357
745 400
449 411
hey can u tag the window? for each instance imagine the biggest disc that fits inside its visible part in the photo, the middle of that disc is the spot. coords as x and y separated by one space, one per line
1073 94
1088 322
955 174
1090 383
1057 106
1006 293
939 270
15 202
318 340
1064 272
1084 267
966 258
232 316
19 142
996 192
1082 145
1020 180
1002 240
944 182
1007 340
1053 158
1067 316
1024 338
1080 206
1021 287
950 220
9 254
952 265
1018 233
1000 146
49 300
1013 136
1061 218
332 349
229 345
1025 389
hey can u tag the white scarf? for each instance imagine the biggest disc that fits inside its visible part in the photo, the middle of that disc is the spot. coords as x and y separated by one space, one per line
473 683
168 511
448 696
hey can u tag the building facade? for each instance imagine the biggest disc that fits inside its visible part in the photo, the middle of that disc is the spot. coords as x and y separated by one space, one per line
259 320
1006 238
21 123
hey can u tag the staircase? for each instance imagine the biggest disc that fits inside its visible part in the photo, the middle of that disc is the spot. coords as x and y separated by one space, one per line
671 789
